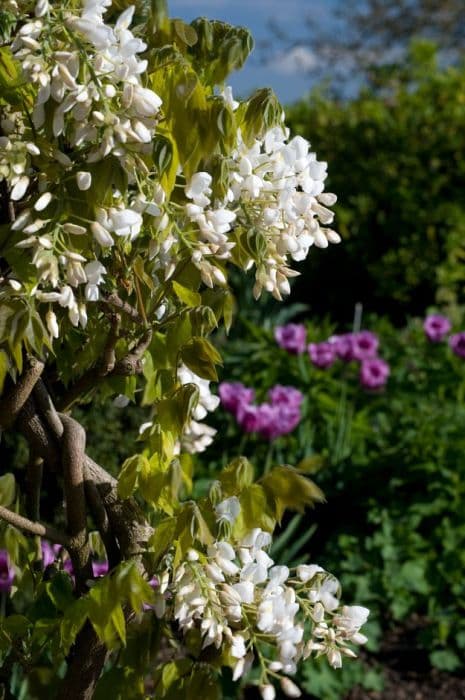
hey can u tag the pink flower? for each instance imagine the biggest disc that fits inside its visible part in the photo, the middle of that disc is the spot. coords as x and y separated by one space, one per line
233 395
364 345
343 346
99 568
374 373
436 327
322 355
457 343
7 573
291 337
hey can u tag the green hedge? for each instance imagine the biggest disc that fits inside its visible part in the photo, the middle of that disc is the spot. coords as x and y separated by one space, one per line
397 164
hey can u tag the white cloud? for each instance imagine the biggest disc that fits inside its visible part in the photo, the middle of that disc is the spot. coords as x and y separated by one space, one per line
297 60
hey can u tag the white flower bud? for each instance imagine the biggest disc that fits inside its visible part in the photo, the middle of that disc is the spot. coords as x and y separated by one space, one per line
84 180
19 190
290 689
52 324
101 235
267 692
74 229
41 8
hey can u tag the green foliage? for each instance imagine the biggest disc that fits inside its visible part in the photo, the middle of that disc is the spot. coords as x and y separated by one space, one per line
397 167
391 466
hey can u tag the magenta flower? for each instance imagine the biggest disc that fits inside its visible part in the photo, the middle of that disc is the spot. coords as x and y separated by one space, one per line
285 395
99 568
50 552
291 337
343 346
364 345
457 343
249 418
436 327
233 395
7 573
322 355
374 373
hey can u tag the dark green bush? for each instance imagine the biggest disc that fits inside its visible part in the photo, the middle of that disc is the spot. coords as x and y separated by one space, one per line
397 158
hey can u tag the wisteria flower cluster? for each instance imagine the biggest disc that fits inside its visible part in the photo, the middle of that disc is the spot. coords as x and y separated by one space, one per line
361 346
276 187
437 328
238 598
91 94
271 419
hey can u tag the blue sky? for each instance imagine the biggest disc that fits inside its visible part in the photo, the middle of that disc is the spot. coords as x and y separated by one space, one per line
285 72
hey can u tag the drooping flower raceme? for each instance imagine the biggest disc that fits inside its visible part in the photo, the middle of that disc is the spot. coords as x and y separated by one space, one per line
238 598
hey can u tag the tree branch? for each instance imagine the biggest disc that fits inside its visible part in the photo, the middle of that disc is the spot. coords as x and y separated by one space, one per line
127 366
34 528
123 306
132 363
102 522
74 442
16 398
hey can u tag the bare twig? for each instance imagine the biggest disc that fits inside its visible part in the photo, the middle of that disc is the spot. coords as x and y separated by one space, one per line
34 528
109 357
127 366
123 306
132 363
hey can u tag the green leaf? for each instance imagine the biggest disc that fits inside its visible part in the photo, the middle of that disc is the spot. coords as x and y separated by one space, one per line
255 511
129 475
201 357
60 591
7 489
163 537
445 660
287 488
187 296
185 32
72 622
119 623
236 476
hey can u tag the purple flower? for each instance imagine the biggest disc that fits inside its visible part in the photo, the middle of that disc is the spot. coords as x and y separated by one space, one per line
436 327
49 552
285 395
457 343
99 568
343 346
291 337
233 395
364 345
322 354
7 573
277 420
374 373
249 418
